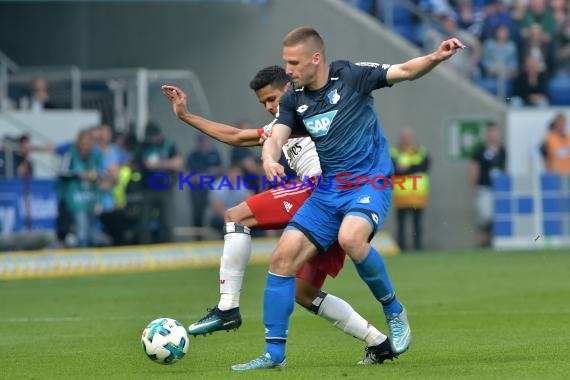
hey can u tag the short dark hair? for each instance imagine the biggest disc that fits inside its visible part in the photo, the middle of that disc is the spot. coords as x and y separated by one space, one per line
302 35
272 75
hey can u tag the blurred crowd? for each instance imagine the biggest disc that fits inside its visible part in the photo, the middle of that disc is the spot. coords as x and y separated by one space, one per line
525 42
102 184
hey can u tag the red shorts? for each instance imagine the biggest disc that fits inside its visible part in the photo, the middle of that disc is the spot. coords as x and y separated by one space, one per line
273 209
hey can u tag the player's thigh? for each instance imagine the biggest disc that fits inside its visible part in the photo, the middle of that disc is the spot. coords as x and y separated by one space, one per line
241 214
364 216
319 220
273 209
293 250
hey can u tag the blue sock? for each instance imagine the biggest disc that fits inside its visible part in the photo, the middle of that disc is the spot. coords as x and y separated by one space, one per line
278 304
373 271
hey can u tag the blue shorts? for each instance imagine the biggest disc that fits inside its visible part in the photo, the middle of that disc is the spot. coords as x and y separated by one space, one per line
321 215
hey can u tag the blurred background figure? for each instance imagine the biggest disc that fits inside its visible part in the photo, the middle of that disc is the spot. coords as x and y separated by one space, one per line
22 159
39 99
109 168
78 194
5 102
530 87
229 191
486 162
204 160
158 154
500 55
557 147
410 159
248 159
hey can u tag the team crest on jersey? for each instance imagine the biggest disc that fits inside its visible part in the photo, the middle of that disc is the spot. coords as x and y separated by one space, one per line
333 96
319 125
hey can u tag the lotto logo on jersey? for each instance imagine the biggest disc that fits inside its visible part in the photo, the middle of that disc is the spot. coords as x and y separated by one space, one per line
319 125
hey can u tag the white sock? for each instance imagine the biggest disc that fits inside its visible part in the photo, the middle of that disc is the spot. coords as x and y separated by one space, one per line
235 256
345 318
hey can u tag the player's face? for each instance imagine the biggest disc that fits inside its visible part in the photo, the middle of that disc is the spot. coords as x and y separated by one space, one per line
301 64
269 96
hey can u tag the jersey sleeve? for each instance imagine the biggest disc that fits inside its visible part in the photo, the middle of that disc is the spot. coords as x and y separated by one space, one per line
368 76
287 113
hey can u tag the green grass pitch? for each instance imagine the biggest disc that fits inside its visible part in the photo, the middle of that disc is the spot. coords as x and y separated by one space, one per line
478 315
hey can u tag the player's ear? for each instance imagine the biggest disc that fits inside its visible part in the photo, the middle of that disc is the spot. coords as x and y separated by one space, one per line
317 58
287 87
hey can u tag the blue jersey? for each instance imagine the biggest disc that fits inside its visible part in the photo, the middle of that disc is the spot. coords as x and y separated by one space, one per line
342 120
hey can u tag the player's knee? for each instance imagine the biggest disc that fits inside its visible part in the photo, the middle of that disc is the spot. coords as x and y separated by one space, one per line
281 264
352 244
232 215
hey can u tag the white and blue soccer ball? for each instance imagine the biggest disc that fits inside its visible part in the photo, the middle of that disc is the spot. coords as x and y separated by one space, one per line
165 341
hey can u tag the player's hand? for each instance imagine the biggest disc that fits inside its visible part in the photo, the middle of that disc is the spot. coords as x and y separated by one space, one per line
274 170
264 136
448 48
177 98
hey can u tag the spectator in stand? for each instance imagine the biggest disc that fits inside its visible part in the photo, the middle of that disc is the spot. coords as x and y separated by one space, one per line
560 9
108 176
535 45
22 159
122 148
530 86
204 160
538 12
562 49
497 14
40 97
500 56
158 154
558 147
78 193
468 18
487 162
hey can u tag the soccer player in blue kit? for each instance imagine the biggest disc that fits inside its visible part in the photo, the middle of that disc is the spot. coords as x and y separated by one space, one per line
333 104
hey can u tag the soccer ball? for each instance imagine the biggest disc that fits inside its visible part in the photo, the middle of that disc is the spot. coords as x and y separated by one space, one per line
165 341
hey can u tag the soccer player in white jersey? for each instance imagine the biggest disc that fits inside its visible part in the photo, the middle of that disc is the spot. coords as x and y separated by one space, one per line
273 209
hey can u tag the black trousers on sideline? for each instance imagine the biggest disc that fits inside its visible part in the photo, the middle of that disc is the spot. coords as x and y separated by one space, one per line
402 215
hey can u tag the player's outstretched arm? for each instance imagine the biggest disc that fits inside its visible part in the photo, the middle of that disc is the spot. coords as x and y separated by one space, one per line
272 151
417 67
221 132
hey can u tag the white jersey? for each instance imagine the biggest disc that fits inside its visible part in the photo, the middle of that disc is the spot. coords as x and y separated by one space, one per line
301 155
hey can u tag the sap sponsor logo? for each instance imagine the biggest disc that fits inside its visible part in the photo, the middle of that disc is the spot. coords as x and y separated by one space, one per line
319 125
301 110
333 96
